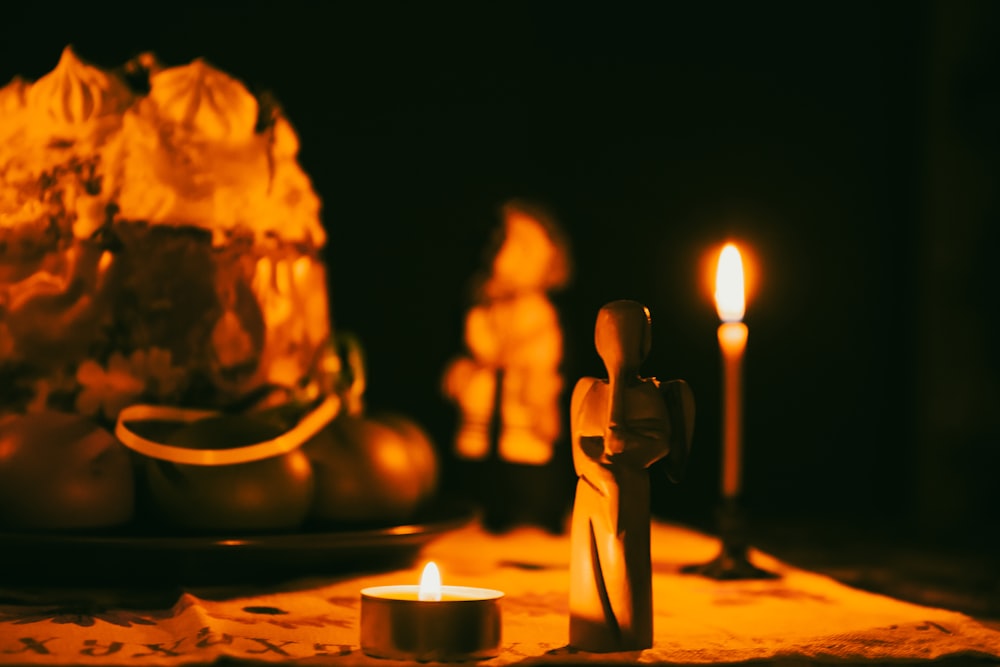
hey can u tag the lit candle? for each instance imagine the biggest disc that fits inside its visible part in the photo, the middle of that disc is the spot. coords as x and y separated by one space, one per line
429 621
730 302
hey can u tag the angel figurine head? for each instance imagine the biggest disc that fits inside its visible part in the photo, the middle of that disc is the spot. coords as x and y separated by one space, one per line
623 336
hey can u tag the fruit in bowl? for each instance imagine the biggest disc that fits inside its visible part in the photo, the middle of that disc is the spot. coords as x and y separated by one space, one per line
61 471
268 494
371 469
423 454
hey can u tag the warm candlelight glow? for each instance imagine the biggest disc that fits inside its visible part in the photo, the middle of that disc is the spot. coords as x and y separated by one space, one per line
730 302
430 583
730 299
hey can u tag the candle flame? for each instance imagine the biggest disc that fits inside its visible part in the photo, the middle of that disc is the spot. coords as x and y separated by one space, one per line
430 583
730 299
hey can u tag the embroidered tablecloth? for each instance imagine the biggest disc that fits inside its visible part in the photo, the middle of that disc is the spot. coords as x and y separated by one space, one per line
697 620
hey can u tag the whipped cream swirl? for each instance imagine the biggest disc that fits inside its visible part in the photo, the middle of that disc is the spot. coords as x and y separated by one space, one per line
205 101
12 97
75 93
189 153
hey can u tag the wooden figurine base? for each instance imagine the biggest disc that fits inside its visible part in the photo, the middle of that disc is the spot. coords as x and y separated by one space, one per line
732 563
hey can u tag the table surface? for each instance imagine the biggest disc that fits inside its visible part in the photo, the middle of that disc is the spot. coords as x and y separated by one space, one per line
960 573
954 591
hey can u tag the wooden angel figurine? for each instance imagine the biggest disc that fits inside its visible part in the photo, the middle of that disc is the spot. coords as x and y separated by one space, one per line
509 383
619 427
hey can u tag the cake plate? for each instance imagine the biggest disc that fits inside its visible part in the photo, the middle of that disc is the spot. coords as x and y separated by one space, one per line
138 556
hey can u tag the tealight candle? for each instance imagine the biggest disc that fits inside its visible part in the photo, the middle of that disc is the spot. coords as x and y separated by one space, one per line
429 621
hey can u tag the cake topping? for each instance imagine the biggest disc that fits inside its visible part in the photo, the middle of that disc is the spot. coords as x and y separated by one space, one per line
12 96
81 147
75 93
202 99
285 143
12 104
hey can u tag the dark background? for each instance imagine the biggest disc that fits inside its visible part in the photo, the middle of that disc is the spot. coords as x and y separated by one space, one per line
851 147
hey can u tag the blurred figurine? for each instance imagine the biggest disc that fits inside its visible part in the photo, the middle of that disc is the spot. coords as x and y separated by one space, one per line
619 427
507 387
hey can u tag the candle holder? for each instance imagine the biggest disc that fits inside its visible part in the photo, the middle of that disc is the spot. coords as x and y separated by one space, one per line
464 624
730 302
732 563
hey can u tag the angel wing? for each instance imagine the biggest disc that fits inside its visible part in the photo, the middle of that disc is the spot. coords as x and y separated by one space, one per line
680 405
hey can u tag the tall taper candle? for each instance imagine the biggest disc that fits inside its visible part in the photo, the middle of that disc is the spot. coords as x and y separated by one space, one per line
730 302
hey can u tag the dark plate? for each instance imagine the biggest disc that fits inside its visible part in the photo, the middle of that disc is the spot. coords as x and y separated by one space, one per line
133 556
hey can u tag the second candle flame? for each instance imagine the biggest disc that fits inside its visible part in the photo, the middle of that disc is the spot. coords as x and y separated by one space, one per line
730 299
430 584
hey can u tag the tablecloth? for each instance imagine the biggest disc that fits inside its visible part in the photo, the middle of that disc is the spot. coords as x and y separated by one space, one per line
697 620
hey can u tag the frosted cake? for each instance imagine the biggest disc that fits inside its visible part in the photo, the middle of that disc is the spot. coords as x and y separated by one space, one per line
159 245
158 242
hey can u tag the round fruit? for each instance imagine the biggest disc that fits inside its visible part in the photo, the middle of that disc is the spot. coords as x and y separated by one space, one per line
422 451
62 471
365 471
271 494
